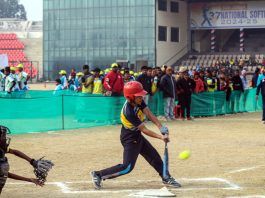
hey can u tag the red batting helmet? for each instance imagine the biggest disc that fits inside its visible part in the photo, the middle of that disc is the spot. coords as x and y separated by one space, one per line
132 89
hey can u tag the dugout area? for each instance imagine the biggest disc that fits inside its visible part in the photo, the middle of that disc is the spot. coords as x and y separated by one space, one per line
227 160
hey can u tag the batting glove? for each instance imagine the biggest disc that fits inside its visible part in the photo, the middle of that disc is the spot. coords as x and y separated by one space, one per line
164 130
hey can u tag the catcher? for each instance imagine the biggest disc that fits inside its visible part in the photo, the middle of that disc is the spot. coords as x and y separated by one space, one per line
41 167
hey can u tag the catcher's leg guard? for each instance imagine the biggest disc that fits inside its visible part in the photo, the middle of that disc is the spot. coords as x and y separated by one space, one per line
4 168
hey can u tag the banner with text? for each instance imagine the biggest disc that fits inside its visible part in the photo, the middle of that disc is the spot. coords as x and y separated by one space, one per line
237 14
3 61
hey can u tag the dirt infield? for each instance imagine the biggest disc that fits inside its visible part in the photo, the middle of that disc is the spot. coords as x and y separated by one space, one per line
42 86
227 160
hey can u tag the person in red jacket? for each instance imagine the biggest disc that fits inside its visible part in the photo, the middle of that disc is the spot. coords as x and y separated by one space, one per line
113 82
199 84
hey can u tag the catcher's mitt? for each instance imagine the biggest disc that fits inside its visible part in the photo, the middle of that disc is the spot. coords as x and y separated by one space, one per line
41 168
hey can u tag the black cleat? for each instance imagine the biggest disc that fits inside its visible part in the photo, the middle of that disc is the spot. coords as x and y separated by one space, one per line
170 181
96 179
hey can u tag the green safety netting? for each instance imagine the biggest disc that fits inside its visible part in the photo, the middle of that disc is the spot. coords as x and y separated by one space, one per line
40 111
214 103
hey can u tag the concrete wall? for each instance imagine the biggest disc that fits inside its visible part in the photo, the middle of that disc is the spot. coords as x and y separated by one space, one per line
166 51
202 40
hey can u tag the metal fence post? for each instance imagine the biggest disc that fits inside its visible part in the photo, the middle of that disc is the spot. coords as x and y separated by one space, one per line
31 71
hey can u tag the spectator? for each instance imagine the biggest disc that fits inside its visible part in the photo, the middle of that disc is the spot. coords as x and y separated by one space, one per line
261 76
132 75
154 81
2 80
168 87
185 87
63 79
73 82
255 78
237 82
198 67
215 79
98 82
23 78
222 70
73 73
9 80
222 85
184 92
59 87
263 61
236 62
241 63
149 71
231 62
113 82
127 77
211 84
146 80
244 79
79 79
199 84
87 81
126 69
159 75
190 72
261 86
203 78
15 77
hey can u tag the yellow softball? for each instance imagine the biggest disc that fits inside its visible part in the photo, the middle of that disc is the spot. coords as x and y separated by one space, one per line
184 155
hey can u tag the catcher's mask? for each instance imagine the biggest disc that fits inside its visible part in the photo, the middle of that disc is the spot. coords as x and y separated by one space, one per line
4 140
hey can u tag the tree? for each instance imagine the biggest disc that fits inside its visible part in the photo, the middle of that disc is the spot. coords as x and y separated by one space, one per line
12 9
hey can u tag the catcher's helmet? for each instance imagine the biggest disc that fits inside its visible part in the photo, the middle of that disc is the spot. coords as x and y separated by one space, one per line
133 89
3 131
4 141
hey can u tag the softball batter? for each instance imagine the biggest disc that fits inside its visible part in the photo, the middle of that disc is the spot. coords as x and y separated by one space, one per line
132 140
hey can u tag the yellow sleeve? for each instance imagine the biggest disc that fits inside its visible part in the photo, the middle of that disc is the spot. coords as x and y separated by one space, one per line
154 88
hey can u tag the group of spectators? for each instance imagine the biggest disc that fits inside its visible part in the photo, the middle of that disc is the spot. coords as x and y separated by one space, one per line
13 79
230 62
175 85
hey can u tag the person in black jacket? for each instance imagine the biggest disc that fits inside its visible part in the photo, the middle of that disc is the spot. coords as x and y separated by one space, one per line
146 81
185 87
255 78
261 86
237 82
168 87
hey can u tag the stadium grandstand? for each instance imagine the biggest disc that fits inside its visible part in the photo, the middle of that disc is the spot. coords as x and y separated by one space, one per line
224 32
171 32
21 41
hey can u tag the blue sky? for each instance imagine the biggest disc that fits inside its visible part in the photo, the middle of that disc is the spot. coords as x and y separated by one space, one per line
33 8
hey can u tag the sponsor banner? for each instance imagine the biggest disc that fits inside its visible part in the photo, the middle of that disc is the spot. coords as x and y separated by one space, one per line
3 61
236 14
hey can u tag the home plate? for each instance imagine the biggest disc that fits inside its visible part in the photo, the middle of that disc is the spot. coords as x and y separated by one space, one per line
163 192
